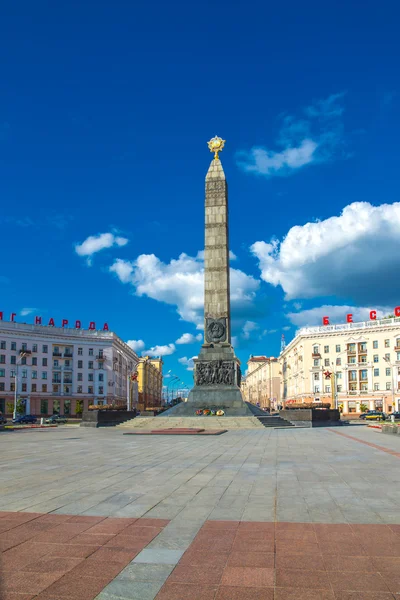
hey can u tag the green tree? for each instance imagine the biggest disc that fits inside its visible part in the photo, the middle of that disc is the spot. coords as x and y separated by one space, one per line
10 407
79 407
20 406
363 407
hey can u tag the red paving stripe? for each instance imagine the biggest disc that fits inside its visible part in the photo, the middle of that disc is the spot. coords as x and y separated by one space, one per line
382 448
51 555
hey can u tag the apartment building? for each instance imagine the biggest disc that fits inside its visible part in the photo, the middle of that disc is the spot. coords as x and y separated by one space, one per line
150 380
348 364
51 368
262 384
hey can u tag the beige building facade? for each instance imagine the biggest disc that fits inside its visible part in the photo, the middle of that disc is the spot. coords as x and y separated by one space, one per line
349 365
262 384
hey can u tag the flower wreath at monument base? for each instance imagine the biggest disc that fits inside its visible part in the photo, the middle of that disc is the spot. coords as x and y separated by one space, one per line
206 412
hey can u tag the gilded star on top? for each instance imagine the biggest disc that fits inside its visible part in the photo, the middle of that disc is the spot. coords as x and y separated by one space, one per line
216 145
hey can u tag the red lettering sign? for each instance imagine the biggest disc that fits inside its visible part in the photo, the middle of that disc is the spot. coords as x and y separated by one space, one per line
1 316
38 320
92 325
64 322
397 311
105 327
78 325
372 315
349 318
12 316
325 320
51 322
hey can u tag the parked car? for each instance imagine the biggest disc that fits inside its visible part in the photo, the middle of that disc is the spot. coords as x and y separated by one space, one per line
3 420
375 415
396 414
25 419
56 419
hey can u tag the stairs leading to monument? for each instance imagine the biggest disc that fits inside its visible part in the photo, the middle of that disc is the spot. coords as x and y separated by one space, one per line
268 420
160 422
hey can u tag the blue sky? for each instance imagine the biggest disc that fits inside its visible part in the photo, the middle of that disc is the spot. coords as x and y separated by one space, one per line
105 111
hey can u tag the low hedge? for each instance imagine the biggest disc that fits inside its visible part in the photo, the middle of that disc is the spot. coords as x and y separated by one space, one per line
325 405
107 407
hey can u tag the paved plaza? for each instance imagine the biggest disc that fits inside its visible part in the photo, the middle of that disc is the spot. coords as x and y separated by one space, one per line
258 514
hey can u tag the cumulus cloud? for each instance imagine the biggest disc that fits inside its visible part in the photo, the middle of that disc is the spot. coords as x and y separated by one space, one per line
189 338
96 243
136 345
181 283
336 314
27 311
355 255
248 328
187 362
160 350
301 141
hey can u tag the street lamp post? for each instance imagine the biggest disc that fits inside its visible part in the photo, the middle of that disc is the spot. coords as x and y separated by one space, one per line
391 369
174 378
128 396
18 362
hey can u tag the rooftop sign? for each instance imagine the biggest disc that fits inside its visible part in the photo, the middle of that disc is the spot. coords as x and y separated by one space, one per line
64 322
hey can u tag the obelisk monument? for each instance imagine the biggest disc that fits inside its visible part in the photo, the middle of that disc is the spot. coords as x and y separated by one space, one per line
216 369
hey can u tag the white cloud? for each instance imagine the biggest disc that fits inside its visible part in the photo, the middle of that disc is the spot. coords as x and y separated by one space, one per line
136 345
95 243
187 362
27 311
305 141
336 314
248 327
160 350
181 283
189 338
355 255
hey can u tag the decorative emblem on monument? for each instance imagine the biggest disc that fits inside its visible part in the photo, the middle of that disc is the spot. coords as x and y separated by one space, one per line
216 145
216 330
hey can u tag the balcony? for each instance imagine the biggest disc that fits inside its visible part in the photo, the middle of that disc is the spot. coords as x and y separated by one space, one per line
57 354
100 357
67 355
56 381
26 352
316 355
351 352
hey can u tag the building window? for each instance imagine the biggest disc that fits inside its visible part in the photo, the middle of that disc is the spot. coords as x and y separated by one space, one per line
33 387
55 363
101 376
398 356
23 360
397 342
80 351
90 377
80 364
353 375
12 386
34 361
3 359
101 389
79 389
316 362
2 345
316 376
34 348
376 358
24 373
24 389
67 363
90 389
44 374
2 386
363 374
326 362
375 344
79 376
388 385
352 360
44 407
387 343
44 387
2 372
376 372
13 346
337 348
376 387
387 356
44 362
13 373
316 389
338 361
13 360
326 349
351 348
364 387
34 374
327 388
339 375
315 349
339 388
45 349
90 364
388 373
90 351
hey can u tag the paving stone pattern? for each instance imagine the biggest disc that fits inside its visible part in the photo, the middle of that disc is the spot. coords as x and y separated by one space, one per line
198 513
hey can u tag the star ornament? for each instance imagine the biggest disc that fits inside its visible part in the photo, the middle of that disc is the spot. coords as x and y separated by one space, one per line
216 145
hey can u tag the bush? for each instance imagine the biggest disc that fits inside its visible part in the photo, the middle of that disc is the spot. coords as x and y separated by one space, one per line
107 407
309 405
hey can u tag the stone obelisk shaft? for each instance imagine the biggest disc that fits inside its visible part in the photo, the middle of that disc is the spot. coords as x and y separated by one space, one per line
216 254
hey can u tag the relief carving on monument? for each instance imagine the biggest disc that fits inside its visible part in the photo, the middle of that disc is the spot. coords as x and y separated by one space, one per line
216 330
215 372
